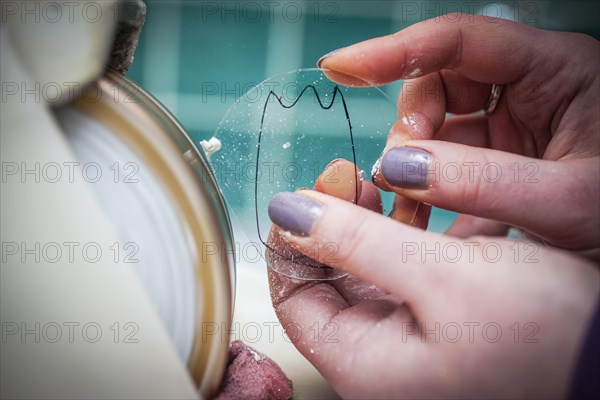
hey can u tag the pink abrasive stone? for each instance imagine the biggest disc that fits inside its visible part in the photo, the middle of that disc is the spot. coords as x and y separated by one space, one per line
252 375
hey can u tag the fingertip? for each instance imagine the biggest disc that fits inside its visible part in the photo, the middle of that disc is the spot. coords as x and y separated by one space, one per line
398 135
326 58
361 63
329 65
407 167
341 179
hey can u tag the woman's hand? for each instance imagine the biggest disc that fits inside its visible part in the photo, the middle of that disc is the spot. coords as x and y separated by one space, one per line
424 315
428 315
533 163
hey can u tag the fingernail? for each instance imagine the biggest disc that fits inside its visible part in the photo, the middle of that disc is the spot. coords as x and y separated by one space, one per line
320 60
338 179
294 212
406 167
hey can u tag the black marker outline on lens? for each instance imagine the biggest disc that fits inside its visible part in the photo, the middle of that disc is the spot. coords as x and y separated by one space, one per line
336 90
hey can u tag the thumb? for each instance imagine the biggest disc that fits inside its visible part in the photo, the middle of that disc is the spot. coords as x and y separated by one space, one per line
368 245
547 198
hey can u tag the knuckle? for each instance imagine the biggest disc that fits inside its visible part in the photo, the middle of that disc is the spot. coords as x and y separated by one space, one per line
473 190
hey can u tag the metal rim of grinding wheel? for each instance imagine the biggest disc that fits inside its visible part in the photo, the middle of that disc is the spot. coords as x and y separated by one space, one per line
158 138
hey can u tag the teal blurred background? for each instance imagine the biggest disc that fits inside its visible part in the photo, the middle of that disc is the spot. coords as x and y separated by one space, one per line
198 57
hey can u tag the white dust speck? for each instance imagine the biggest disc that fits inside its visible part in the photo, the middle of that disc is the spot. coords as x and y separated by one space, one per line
256 355
287 234
286 145
210 146
409 120
416 72
312 351
376 166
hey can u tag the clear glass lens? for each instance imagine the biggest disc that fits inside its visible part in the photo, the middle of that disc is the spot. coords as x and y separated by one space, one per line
280 136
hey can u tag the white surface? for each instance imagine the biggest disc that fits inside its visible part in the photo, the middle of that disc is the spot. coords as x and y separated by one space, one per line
152 238
39 291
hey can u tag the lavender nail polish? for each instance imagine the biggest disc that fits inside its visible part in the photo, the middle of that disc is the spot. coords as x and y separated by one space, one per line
294 212
406 167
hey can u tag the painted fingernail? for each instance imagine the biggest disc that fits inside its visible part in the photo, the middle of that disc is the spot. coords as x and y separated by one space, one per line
406 167
320 61
294 212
